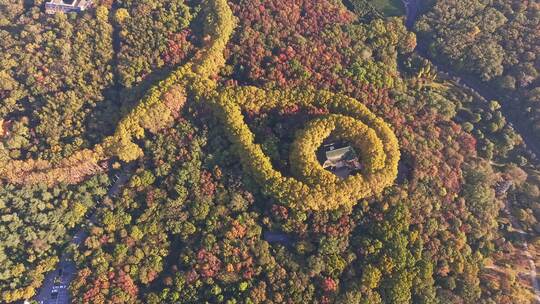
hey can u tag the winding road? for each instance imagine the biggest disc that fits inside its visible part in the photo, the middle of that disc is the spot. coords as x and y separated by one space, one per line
412 11
412 8
55 287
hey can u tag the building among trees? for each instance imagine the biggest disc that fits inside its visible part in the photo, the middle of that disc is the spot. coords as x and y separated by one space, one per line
66 6
341 161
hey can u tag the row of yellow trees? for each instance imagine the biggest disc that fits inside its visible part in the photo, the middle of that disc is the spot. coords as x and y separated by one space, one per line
313 187
195 76
154 112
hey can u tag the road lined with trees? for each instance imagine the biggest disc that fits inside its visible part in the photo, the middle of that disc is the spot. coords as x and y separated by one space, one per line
493 48
192 101
532 142
56 283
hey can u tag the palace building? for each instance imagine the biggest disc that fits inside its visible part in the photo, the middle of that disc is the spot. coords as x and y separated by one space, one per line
342 161
66 6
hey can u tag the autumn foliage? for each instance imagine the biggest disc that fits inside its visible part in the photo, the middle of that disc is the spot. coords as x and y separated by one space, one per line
159 107
313 188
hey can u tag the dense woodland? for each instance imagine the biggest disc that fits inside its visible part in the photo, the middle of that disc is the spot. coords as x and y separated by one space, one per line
194 224
497 42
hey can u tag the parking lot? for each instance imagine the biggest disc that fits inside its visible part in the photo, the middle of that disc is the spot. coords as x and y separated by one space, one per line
55 289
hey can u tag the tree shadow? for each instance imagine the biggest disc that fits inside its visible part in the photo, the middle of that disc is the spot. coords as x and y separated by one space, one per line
118 102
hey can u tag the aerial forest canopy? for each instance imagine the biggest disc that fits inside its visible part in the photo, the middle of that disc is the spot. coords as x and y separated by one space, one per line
497 42
268 151
153 113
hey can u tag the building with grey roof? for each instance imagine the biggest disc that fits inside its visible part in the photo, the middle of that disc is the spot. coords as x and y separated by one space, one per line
341 161
66 6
